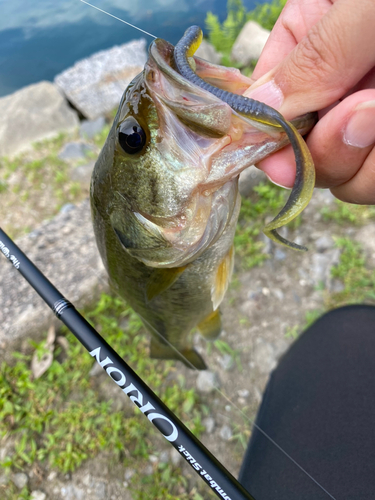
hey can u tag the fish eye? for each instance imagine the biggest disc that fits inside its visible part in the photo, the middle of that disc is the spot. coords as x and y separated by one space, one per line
131 136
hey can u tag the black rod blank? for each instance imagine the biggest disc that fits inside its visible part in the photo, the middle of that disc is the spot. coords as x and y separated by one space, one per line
218 478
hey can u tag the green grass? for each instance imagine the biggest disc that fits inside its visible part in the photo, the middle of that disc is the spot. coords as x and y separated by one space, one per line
61 419
223 35
357 277
344 213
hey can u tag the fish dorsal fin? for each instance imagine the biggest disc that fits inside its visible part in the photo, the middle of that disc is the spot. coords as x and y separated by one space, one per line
162 279
222 278
210 327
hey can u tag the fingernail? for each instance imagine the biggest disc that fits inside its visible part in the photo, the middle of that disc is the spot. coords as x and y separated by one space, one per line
269 93
360 129
276 183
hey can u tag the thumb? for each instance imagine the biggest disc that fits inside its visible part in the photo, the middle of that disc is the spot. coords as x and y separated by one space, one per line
334 55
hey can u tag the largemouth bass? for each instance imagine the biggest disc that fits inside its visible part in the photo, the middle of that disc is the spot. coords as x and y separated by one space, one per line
164 190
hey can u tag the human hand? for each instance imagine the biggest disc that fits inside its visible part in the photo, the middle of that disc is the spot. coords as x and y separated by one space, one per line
320 56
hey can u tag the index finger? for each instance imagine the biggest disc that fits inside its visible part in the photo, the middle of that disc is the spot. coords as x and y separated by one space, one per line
294 22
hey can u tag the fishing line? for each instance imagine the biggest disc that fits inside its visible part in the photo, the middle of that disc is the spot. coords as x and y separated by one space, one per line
118 19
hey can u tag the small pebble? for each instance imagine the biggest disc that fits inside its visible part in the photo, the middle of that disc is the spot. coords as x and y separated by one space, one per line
278 293
209 424
243 393
207 381
148 470
100 491
164 456
20 479
226 362
51 476
129 473
38 495
87 480
226 433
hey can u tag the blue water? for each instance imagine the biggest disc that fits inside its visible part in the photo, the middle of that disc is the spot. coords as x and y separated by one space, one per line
41 38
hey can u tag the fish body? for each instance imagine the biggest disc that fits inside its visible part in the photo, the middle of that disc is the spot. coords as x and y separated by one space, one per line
165 201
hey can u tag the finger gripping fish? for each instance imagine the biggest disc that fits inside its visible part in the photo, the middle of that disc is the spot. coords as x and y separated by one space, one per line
164 190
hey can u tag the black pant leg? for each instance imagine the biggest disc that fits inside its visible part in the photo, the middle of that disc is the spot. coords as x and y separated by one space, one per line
319 406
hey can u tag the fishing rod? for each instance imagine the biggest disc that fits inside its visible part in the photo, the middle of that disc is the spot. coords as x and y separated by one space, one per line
215 475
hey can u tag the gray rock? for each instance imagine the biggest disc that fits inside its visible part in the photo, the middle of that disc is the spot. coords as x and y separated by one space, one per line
209 424
74 151
250 43
100 490
89 128
72 492
20 479
226 433
320 270
64 249
32 114
38 495
250 178
95 85
82 173
207 51
207 381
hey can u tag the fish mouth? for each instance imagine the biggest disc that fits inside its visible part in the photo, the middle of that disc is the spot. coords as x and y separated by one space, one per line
201 111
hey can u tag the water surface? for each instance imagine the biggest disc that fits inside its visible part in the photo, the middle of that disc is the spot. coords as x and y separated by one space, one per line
41 38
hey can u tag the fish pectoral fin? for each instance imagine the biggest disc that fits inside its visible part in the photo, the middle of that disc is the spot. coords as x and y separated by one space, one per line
210 327
302 189
162 279
222 278
188 356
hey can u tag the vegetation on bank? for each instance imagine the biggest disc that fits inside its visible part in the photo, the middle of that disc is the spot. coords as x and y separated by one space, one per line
223 35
